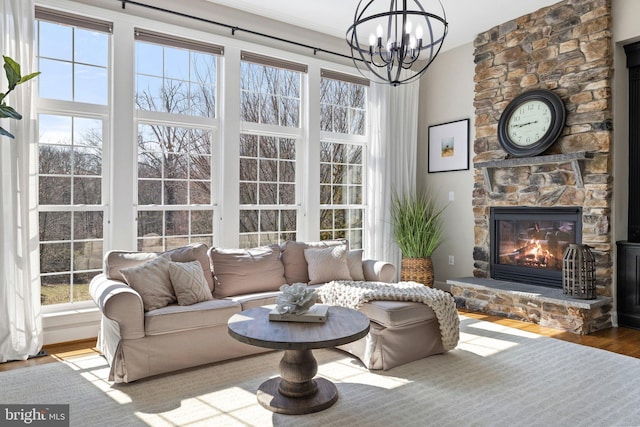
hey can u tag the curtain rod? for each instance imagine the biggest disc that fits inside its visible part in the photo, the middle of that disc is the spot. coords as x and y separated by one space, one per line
233 28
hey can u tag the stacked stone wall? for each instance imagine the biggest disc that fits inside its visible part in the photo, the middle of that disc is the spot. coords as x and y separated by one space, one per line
566 48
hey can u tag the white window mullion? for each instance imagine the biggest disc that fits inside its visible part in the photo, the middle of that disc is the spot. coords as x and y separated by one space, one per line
229 170
310 224
123 130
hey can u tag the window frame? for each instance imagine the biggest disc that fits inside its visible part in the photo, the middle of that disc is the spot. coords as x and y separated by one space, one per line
211 125
83 110
348 139
296 133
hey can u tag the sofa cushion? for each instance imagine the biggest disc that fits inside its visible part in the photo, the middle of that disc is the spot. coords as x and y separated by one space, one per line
243 271
296 269
152 281
354 262
175 318
114 261
327 264
188 282
395 314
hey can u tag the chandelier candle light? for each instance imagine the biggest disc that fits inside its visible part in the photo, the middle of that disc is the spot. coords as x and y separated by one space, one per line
401 35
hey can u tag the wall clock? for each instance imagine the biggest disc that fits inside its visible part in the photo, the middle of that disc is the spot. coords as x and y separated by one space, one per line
531 122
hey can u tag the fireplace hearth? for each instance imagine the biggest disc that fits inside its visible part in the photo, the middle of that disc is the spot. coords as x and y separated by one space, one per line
527 243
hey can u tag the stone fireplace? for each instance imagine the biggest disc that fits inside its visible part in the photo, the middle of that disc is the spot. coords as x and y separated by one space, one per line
565 48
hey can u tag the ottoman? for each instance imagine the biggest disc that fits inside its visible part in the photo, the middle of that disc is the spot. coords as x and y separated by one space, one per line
401 332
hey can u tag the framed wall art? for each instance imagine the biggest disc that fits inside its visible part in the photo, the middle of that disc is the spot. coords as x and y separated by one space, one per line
449 146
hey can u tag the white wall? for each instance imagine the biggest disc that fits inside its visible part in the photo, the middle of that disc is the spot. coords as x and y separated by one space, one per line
446 94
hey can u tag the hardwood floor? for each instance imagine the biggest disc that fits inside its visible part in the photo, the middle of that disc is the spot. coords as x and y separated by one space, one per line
618 340
56 353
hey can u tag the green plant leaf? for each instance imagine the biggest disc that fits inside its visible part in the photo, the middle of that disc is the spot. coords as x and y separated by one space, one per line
28 77
5 133
417 224
12 69
9 112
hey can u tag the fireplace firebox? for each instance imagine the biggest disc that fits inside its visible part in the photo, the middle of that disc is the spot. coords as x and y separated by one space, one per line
527 243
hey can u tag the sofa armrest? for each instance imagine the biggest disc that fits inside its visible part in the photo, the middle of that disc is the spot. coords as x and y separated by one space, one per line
378 271
119 302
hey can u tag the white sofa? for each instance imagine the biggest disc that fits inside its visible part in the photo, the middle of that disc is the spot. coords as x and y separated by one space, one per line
139 343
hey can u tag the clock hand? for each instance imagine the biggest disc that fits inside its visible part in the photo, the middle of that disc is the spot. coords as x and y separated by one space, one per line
525 124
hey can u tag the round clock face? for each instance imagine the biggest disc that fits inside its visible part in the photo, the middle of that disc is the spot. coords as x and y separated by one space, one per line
531 122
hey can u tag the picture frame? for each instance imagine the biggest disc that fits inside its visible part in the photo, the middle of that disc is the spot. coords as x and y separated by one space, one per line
449 146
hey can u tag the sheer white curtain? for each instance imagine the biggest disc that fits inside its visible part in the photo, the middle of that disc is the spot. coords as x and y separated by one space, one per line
392 162
20 316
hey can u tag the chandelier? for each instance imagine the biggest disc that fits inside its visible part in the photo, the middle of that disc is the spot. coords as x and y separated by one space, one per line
389 36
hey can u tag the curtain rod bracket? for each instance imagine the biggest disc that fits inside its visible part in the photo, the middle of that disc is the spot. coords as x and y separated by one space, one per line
124 4
233 30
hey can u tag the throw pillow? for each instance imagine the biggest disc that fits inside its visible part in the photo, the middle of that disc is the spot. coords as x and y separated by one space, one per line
194 252
152 281
327 264
296 269
244 271
354 261
189 283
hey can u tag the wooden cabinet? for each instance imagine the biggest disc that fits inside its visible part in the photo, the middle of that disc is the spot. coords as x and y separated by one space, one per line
628 284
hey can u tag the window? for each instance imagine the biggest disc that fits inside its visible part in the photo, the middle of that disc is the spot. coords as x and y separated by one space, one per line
270 102
176 82
342 155
168 154
72 55
267 182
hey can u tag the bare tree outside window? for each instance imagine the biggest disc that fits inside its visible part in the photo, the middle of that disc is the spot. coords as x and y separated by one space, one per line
268 211
74 66
70 229
174 161
343 117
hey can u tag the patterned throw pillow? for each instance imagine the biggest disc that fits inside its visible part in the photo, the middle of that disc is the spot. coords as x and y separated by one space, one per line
152 281
296 269
327 264
189 282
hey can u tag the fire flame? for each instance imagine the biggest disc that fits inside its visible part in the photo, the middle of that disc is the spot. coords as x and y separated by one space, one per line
535 251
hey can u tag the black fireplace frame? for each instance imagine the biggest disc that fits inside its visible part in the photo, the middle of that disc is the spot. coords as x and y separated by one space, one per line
524 274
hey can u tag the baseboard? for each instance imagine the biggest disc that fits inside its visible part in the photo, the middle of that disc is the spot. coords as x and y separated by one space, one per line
70 326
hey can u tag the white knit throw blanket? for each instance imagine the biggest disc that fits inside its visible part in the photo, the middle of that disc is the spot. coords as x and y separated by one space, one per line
354 294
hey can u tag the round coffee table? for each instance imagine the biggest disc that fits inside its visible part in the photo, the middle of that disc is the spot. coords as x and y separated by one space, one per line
296 391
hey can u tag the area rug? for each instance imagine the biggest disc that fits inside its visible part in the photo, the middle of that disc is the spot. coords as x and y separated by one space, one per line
497 376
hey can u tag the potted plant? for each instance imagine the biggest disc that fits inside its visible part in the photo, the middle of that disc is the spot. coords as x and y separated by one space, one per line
417 229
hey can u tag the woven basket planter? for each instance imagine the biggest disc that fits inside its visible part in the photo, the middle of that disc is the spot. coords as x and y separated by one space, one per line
418 270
